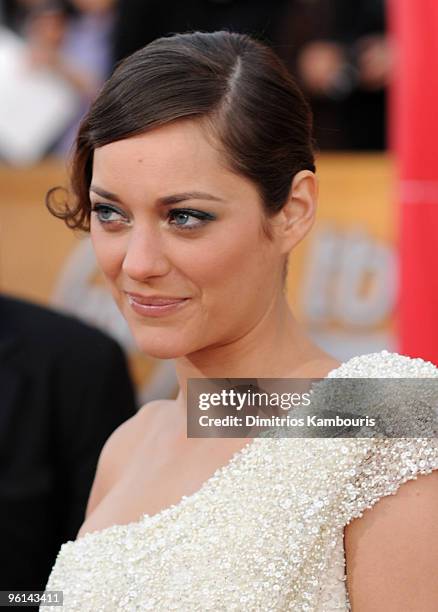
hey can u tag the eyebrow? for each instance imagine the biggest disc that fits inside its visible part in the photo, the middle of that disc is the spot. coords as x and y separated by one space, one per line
164 200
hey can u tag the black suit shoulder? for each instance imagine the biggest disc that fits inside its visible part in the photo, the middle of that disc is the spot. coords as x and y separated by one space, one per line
34 319
65 388
50 332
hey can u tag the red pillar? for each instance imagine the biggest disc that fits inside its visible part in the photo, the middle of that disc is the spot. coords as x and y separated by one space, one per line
414 137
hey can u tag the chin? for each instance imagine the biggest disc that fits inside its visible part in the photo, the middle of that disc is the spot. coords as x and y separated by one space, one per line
163 346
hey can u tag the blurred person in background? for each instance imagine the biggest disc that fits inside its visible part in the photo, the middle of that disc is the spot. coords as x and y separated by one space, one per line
65 389
337 49
74 39
341 55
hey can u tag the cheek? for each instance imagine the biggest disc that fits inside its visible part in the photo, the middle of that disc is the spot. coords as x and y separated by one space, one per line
109 251
231 263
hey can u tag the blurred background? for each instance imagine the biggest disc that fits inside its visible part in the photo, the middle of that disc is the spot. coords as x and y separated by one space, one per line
365 279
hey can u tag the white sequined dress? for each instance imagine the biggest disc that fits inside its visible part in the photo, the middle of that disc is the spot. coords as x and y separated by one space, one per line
264 533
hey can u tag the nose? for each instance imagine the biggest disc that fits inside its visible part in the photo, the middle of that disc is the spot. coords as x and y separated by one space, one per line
145 257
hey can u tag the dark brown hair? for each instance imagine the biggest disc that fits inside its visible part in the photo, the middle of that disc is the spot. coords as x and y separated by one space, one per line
235 84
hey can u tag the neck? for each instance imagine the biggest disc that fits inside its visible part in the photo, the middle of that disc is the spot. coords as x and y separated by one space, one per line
275 347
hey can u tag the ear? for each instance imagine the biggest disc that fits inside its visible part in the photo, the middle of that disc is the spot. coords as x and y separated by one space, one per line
298 214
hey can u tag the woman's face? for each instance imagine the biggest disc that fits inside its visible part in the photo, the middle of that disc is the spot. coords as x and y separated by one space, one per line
179 239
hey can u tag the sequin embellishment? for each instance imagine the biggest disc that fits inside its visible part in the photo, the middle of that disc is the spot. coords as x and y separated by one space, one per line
265 533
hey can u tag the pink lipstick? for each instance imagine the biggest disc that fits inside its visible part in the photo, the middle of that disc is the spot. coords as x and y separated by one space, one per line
154 305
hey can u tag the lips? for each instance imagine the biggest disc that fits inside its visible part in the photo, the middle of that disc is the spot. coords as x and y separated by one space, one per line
154 300
155 305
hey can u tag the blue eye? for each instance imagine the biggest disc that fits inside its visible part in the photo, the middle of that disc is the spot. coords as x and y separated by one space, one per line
106 214
181 218
188 218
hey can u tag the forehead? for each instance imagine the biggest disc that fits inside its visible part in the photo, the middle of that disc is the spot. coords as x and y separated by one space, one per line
174 152
174 158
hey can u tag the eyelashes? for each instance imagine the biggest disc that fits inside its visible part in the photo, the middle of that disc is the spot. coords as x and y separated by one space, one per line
180 218
100 210
185 214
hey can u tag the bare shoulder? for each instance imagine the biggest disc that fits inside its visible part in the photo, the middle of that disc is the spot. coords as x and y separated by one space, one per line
392 550
126 437
119 449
